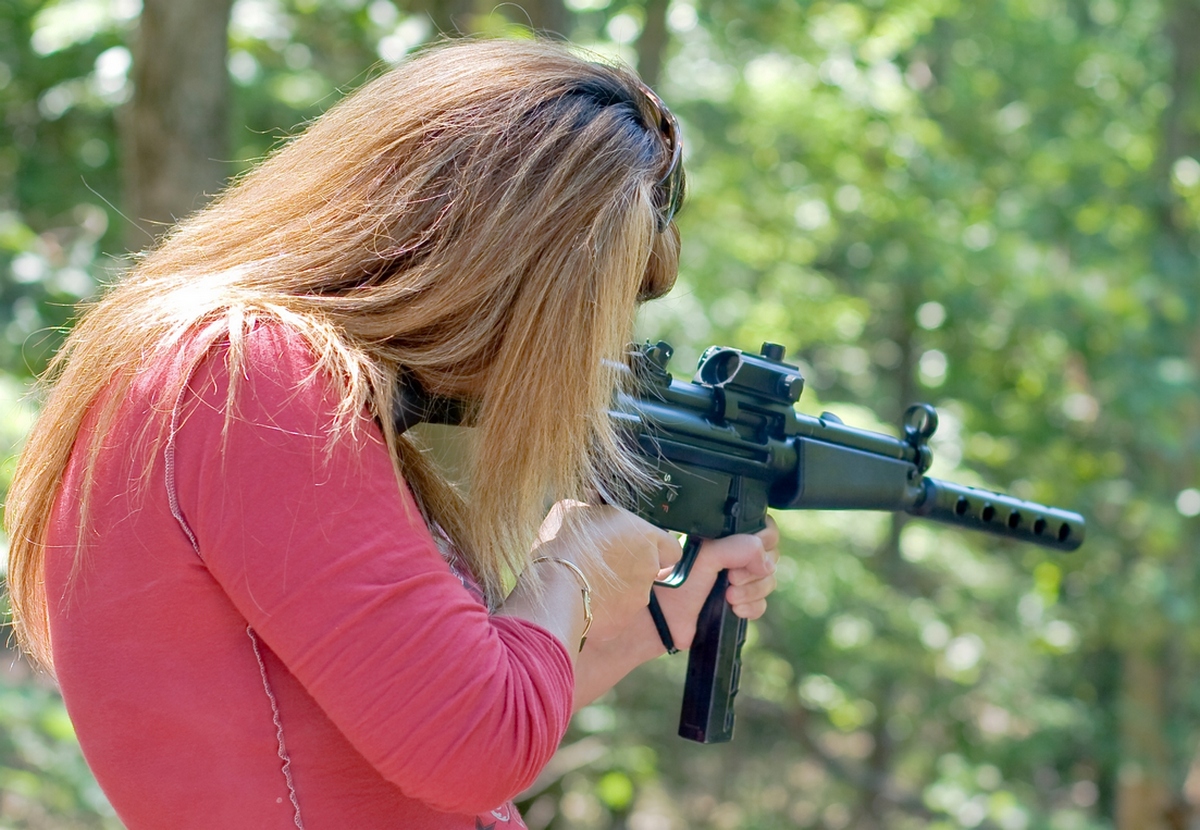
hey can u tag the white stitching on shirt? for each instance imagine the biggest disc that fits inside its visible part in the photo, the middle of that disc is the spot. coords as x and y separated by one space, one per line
169 459
177 512
283 753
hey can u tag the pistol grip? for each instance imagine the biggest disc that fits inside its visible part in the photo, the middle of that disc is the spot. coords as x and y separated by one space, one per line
714 669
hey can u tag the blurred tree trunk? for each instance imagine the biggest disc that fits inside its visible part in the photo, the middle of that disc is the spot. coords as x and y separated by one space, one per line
1179 131
458 17
1148 796
652 42
175 132
874 807
1143 780
449 17
549 17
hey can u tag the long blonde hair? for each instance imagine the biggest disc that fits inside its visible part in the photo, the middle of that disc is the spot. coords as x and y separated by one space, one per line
482 217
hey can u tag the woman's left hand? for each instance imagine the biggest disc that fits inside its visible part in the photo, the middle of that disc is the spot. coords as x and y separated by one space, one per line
751 561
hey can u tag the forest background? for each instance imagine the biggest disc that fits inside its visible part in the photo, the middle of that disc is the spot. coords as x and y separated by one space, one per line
990 206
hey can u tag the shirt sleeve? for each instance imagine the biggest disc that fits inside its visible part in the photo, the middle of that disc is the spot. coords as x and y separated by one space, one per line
326 555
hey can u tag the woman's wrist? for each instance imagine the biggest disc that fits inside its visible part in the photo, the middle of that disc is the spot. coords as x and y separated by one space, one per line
556 604
605 662
585 590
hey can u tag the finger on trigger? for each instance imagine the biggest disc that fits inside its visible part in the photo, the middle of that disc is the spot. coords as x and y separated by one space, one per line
769 534
669 550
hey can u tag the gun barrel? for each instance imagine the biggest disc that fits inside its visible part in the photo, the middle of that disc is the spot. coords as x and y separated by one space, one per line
1000 514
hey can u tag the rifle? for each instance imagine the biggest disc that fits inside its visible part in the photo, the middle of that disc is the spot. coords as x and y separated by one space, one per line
730 444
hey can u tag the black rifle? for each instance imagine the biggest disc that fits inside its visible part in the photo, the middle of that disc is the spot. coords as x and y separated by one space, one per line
730 444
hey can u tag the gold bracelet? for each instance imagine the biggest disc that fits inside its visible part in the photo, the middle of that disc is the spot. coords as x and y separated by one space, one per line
586 591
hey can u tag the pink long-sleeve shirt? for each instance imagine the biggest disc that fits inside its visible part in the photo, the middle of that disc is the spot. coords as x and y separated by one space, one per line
262 633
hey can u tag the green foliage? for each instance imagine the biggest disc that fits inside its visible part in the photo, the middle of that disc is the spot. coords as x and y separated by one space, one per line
43 779
974 205
991 206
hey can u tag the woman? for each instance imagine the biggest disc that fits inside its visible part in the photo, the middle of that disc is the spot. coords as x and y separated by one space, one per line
265 608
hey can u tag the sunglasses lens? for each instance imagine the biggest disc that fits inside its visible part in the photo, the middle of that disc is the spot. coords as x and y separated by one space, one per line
670 188
670 194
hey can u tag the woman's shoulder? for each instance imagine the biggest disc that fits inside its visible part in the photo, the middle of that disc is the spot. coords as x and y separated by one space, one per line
264 354
261 345
272 366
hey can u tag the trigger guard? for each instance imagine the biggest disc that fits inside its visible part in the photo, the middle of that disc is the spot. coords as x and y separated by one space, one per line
677 577
683 568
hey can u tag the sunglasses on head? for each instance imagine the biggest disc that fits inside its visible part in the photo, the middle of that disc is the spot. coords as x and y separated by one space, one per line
668 191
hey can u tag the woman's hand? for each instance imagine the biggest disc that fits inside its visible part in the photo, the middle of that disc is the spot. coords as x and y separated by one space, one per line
627 554
751 561
633 551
